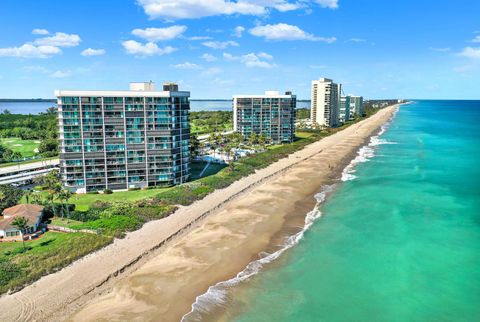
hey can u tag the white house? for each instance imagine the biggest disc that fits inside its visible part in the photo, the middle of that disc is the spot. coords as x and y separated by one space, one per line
33 214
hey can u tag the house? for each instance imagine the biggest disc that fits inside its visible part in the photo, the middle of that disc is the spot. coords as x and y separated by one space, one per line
33 214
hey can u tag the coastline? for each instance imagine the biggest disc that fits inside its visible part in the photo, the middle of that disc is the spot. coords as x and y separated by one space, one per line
229 210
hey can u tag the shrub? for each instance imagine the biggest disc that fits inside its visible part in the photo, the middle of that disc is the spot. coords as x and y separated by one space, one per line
134 189
8 271
107 191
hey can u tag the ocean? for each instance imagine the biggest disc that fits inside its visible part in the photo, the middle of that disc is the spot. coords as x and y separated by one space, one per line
24 107
397 238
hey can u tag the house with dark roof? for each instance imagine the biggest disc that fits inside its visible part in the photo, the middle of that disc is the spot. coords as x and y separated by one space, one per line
33 214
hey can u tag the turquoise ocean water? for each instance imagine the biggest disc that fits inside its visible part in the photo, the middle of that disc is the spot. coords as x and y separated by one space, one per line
398 241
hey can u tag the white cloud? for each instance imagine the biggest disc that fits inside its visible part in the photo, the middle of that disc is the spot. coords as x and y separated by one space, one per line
238 31
93 52
209 58
40 32
476 39
60 39
160 34
212 71
331 4
149 49
61 74
30 51
471 52
357 40
440 49
35 69
283 31
187 65
220 44
200 38
191 9
252 59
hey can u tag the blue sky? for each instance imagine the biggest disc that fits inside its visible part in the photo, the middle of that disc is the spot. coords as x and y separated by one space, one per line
217 48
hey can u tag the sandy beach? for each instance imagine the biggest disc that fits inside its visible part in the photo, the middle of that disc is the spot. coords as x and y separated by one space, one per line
156 273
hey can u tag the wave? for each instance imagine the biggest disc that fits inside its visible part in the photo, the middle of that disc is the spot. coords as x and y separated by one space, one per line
216 295
367 152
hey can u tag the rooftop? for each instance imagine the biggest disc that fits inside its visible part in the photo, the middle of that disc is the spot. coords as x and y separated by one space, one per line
29 211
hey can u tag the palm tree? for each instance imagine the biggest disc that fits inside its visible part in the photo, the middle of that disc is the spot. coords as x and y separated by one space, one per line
21 223
229 150
28 194
252 139
262 139
65 195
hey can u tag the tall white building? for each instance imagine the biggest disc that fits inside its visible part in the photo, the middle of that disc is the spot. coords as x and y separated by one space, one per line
356 105
325 102
271 114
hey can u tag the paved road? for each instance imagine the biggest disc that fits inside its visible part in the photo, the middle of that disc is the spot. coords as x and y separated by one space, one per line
28 166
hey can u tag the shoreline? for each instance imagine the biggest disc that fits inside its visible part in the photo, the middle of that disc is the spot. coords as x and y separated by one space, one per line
58 295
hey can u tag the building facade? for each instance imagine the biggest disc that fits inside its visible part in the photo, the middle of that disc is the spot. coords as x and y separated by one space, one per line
124 139
271 114
344 114
356 105
325 100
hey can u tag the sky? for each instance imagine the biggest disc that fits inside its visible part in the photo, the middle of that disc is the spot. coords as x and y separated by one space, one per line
219 48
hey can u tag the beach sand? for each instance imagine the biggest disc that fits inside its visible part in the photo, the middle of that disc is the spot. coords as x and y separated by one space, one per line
135 279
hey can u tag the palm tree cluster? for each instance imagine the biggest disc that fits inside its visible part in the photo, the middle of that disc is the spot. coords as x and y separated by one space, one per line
229 143
56 193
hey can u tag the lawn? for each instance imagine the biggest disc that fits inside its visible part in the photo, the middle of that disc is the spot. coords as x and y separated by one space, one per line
26 148
44 255
83 201
303 135
197 167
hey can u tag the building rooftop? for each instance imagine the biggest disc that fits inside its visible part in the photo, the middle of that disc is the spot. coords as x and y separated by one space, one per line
268 94
29 211
136 89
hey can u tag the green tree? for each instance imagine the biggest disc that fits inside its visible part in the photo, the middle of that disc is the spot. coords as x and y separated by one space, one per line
9 196
262 139
21 223
253 138
195 146
64 195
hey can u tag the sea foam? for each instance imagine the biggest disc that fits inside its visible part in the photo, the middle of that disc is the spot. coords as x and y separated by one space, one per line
216 295
367 152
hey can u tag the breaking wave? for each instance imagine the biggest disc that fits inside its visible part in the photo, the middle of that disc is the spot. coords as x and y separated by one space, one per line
216 295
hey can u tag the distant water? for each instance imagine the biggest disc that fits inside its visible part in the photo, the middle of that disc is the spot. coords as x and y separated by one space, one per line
398 240
37 107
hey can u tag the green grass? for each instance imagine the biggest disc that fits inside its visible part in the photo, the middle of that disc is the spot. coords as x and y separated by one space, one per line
303 135
63 222
83 201
25 147
43 256
197 167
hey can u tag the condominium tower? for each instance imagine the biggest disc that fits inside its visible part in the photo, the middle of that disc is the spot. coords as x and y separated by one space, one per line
325 102
124 139
344 114
271 114
356 105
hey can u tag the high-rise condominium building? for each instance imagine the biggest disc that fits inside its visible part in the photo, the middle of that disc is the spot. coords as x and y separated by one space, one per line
271 114
344 114
356 105
124 139
325 102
